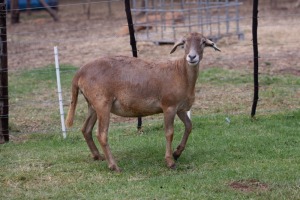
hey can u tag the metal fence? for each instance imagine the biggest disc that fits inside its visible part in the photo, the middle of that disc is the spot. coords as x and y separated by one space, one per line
163 21
79 40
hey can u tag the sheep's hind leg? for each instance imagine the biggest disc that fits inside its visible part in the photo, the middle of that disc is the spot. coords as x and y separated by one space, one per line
188 128
103 125
87 130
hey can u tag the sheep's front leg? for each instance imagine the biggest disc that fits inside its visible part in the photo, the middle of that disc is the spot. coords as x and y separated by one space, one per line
188 128
169 115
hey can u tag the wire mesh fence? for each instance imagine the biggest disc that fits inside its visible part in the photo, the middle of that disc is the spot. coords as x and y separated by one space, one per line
163 21
225 83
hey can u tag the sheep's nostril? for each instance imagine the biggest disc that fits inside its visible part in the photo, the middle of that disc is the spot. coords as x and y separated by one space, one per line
192 57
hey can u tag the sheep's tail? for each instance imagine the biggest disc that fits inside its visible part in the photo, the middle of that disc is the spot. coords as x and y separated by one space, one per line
71 113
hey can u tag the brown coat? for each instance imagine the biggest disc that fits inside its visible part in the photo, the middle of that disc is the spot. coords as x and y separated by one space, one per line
132 87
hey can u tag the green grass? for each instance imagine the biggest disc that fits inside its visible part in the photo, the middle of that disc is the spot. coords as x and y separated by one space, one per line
30 81
220 76
34 99
231 91
266 150
243 159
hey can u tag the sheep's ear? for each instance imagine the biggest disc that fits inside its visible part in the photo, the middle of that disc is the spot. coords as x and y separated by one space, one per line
179 43
209 43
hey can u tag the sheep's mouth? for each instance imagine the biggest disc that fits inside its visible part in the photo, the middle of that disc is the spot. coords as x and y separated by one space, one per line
193 62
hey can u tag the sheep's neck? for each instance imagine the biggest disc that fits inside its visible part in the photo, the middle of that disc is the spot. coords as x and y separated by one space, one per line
192 75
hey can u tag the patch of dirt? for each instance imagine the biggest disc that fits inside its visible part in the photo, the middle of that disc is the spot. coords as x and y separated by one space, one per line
250 185
30 43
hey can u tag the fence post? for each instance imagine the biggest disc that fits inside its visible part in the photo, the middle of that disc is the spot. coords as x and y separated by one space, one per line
255 56
132 43
14 11
60 100
4 132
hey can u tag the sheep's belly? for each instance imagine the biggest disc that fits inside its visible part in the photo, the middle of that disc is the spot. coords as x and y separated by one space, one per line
136 108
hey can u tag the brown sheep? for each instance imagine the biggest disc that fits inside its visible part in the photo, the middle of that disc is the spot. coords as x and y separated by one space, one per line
132 87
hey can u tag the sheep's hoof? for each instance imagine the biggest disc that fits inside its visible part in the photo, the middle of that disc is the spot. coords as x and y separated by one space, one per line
98 157
171 164
115 168
176 155
178 152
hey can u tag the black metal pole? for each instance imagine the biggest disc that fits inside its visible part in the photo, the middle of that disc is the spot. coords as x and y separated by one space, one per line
132 42
255 54
4 133
131 28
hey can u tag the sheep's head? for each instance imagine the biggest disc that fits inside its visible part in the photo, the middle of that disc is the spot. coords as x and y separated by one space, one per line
194 44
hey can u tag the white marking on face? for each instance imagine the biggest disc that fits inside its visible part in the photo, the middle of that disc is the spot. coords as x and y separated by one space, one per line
192 58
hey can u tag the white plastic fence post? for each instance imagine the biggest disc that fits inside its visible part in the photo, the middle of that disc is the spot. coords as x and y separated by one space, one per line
61 109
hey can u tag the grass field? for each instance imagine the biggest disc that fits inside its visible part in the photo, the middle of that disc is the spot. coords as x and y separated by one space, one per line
228 155
243 159
218 91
